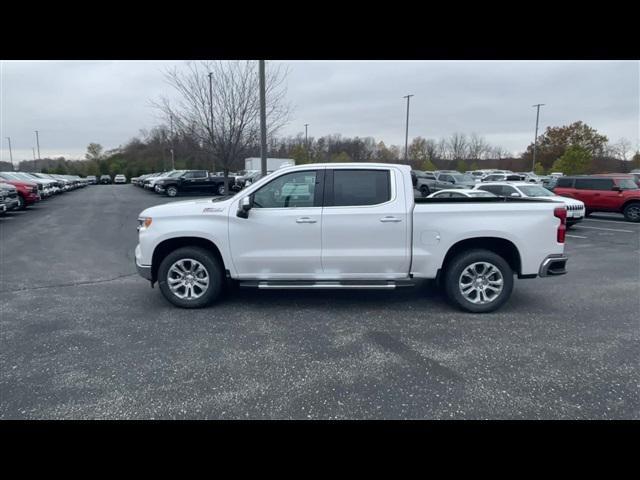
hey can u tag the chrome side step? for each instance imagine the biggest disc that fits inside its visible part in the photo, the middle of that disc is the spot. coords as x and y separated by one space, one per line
356 285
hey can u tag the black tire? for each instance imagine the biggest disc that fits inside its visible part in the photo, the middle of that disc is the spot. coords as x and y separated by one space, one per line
210 263
587 213
453 274
220 189
171 191
21 203
424 190
632 212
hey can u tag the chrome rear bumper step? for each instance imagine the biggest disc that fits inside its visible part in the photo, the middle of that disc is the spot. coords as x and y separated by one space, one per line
356 285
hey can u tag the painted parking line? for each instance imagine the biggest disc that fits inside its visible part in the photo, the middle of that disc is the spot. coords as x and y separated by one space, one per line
575 236
605 221
607 229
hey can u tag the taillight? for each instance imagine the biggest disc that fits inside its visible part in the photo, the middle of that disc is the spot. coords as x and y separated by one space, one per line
561 213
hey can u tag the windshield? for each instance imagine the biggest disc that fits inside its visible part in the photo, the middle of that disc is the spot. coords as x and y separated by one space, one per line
627 184
463 178
176 173
535 191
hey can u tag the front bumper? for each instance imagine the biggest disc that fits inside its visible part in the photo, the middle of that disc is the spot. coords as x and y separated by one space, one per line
143 270
553 265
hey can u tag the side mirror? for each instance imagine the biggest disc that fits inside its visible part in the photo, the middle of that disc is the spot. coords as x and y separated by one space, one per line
616 188
246 204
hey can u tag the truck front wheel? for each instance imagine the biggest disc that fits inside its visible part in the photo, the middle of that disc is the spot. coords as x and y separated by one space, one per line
478 281
190 277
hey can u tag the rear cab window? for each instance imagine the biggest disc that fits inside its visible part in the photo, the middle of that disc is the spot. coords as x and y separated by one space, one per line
357 187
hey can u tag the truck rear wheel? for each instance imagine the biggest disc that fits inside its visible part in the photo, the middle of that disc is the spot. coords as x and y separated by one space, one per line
478 281
190 277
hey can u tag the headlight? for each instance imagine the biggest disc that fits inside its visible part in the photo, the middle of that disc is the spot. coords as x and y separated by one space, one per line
144 222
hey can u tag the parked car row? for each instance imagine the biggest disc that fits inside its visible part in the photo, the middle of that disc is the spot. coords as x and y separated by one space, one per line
18 190
427 182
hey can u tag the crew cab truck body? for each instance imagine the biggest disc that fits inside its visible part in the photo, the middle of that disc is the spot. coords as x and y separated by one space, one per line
348 226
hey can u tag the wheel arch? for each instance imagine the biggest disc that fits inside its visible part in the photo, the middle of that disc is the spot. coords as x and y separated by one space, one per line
169 245
500 246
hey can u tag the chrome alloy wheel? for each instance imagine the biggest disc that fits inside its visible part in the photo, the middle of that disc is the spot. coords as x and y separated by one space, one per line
188 279
481 283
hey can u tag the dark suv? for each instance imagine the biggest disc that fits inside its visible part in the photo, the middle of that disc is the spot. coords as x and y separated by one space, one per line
603 193
105 179
192 181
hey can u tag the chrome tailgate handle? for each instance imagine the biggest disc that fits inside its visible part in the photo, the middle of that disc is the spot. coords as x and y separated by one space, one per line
305 220
390 218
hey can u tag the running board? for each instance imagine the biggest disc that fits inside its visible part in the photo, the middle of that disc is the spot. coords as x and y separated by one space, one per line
356 285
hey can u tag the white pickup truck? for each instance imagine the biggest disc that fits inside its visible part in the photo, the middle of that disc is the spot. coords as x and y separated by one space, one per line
351 225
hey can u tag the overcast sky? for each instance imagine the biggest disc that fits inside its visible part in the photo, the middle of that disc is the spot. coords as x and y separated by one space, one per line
73 103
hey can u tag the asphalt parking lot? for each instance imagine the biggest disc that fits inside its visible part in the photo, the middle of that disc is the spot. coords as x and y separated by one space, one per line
82 336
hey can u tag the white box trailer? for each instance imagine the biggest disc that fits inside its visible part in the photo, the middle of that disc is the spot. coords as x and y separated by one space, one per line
254 163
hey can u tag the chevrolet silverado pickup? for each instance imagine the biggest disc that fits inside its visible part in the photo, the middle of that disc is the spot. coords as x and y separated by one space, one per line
348 226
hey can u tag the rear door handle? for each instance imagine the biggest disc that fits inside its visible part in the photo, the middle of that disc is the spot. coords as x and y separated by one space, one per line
306 220
389 219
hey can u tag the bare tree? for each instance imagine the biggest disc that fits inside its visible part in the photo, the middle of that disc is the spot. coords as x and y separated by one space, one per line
458 146
227 118
478 147
622 149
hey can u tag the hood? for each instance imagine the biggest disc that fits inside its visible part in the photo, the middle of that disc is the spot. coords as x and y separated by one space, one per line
21 183
560 198
188 207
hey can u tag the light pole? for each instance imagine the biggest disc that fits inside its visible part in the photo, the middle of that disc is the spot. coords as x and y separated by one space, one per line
535 140
211 119
406 133
34 153
10 153
38 143
173 160
263 121
306 141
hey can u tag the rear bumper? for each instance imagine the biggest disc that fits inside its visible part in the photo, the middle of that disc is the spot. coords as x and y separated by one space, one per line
553 265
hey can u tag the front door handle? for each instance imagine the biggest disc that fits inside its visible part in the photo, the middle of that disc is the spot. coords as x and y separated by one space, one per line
305 220
389 219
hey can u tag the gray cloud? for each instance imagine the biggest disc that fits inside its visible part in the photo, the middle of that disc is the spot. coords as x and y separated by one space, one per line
74 103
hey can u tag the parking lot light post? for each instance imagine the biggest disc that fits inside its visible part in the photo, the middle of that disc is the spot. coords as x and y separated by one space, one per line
406 133
211 118
10 153
535 139
263 121
306 141
38 143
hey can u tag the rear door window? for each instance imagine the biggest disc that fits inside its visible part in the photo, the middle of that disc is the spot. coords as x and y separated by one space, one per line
594 183
360 187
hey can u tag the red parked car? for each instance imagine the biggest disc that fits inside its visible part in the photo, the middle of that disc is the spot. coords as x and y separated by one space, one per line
603 193
27 192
